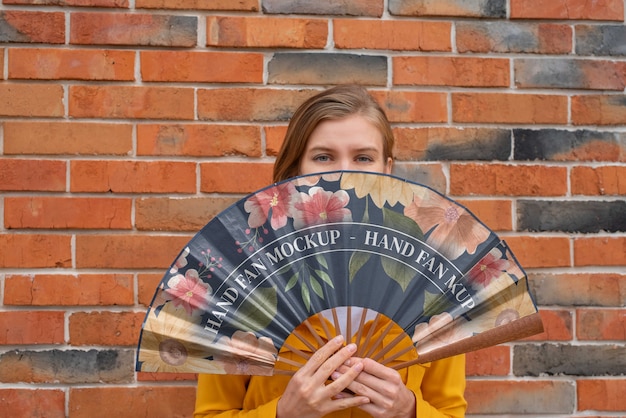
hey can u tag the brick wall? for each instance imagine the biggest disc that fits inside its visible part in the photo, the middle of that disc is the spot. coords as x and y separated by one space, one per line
126 124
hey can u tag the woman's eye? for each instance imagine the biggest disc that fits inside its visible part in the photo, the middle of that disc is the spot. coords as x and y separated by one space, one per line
364 159
322 158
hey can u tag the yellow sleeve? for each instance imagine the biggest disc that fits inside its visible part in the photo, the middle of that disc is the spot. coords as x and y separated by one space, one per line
224 396
441 391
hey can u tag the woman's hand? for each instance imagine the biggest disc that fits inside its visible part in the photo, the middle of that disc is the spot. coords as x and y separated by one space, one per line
309 396
388 395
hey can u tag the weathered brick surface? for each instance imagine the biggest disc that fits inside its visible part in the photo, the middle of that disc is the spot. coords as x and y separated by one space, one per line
67 212
253 32
62 138
448 144
392 35
67 366
513 37
540 397
324 7
575 360
567 145
182 214
600 40
51 64
479 8
133 29
301 68
125 126
583 289
203 67
441 71
29 403
570 74
198 140
161 402
32 27
568 9
572 216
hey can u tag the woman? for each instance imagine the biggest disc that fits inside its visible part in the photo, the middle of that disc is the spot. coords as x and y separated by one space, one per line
342 128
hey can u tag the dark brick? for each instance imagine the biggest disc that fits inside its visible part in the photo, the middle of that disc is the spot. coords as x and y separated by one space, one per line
571 216
570 74
462 8
600 40
561 145
324 7
302 68
67 366
572 360
542 38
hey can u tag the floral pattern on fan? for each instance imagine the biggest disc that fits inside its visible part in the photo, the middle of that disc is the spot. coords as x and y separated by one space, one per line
274 259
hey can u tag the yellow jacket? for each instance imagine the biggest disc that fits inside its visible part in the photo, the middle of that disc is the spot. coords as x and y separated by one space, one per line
438 386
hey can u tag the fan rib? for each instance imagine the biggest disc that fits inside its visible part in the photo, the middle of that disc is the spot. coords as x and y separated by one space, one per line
380 338
361 324
362 348
314 333
322 320
389 347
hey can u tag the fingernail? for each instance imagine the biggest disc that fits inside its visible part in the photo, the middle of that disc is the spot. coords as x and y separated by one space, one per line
351 347
335 375
338 339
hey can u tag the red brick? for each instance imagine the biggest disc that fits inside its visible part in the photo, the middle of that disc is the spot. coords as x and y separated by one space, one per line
2 63
601 324
122 328
31 327
240 5
507 180
266 32
35 251
205 67
598 181
496 214
274 137
128 251
243 104
601 395
568 9
69 290
30 403
62 138
146 287
31 100
223 177
133 29
93 3
509 108
491 361
546 38
31 26
605 109
133 176
600 251
67 213
32 175
537 398
132 102
67 64
207 140
451 71
537 252
593 289
557 325
407 35
142 401
413 107
163 377
180 214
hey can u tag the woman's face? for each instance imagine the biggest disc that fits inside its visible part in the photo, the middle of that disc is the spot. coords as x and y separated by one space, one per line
351 143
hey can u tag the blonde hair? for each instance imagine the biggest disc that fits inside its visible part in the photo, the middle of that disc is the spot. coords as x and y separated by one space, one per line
335 103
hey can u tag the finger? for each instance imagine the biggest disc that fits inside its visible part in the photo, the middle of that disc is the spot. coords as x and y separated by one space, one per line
335 361
321 355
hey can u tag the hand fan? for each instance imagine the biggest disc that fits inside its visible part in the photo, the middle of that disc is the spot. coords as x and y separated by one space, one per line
408 274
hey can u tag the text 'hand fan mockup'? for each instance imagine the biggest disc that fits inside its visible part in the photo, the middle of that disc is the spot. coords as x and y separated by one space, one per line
406 273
